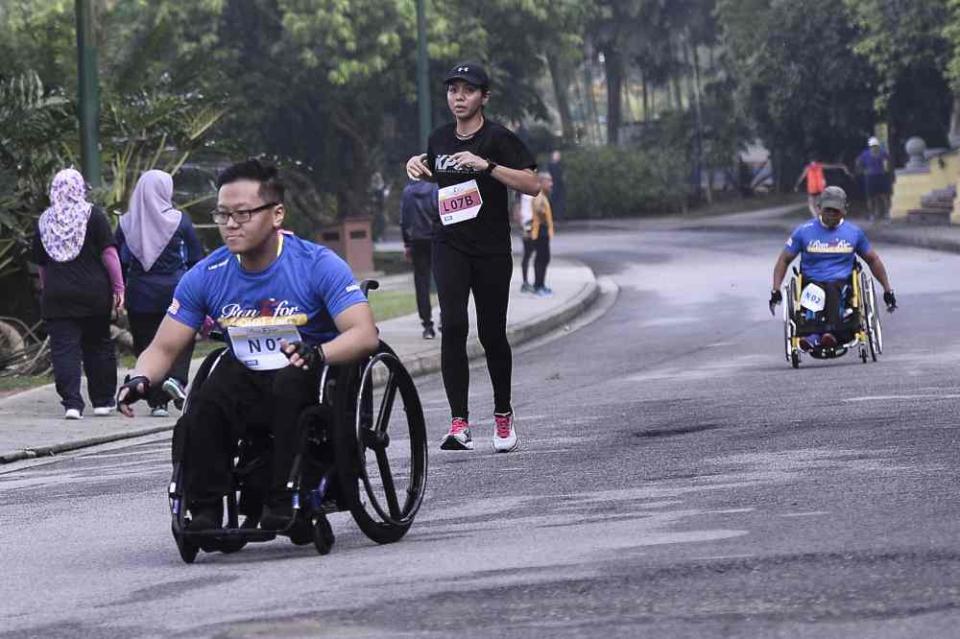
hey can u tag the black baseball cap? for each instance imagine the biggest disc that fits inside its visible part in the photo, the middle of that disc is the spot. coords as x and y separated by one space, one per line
471 72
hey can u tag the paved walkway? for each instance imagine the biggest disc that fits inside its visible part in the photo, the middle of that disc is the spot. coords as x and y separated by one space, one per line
32 424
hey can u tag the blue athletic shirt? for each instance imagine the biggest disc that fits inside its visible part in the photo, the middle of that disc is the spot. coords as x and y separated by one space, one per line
828 254
307 286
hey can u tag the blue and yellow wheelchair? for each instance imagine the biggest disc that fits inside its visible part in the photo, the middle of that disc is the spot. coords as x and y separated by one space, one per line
846 310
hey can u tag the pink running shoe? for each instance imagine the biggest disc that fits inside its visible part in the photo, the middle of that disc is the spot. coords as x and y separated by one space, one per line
459 436
505 433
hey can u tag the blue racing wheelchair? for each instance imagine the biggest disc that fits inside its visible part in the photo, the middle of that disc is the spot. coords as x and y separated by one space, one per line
356 453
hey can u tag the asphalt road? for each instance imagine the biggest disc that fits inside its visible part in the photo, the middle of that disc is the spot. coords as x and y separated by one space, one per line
677 479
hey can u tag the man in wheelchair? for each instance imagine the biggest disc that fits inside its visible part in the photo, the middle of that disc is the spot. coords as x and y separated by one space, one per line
828 247
287 307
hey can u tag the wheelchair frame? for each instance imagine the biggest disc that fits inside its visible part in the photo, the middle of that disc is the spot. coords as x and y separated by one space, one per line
867 339
346 393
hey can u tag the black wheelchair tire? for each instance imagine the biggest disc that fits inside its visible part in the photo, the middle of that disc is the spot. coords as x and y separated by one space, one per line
187 549
379 526
323 537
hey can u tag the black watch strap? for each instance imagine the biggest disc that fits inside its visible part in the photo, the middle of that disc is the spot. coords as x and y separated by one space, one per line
491 165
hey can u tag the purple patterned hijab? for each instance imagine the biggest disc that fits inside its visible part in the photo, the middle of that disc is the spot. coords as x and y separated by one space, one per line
64 225
151 220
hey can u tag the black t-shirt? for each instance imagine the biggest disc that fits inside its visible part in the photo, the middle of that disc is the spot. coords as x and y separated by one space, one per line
80 287
489 232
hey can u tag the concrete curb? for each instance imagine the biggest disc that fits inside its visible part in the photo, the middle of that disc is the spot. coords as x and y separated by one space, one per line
422 365
47 451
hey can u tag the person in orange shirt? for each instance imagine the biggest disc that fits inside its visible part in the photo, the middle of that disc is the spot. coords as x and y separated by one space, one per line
816 182
541 232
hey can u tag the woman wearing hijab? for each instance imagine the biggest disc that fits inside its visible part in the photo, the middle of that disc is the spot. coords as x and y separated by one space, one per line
157 246
81 284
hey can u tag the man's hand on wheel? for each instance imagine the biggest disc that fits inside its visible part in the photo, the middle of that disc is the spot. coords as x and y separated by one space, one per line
133 390
303 356
890 300
775 298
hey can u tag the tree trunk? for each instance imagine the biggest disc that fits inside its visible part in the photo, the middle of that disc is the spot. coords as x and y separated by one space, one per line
698 106
560 85
594 119
646 98
954 135
613 66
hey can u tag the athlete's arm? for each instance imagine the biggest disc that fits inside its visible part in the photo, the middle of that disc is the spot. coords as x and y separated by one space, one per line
358 337
780 268
171 338
803 174
523 180
878 269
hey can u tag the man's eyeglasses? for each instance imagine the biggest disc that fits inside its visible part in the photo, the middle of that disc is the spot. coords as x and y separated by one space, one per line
239 216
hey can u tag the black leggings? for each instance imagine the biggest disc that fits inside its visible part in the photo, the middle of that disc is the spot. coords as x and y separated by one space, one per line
542 246
528 251
488 278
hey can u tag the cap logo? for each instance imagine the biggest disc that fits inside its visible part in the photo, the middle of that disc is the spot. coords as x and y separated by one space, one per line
463 69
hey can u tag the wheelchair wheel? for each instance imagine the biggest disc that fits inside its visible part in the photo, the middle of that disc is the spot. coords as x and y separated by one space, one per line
322 535
390 464
870 319
188 549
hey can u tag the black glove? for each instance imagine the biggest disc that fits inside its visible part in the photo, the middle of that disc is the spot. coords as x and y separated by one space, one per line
138 388
775 298
890 300
313 357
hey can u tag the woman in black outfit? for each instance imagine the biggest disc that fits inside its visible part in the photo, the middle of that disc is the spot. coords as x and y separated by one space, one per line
474 161
81 284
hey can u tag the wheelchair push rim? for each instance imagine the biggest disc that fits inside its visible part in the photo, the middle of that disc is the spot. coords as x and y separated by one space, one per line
378 508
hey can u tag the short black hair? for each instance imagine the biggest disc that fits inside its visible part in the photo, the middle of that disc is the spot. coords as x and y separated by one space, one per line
271 186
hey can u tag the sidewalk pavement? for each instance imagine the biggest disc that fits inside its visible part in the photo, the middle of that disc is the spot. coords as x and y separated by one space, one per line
32 424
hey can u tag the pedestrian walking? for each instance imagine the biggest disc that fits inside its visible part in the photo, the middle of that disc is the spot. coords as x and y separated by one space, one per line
525 217
875 167
418 211
158 245
813 173
81 285
474 161
558 199
541 232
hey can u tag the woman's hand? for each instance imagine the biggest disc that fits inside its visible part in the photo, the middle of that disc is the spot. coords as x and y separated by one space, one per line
417 168
468 160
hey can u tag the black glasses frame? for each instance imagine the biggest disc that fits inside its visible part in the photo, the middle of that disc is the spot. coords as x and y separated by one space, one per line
241 216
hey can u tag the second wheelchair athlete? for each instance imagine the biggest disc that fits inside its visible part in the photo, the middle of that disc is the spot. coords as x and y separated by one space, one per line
828 247
281 300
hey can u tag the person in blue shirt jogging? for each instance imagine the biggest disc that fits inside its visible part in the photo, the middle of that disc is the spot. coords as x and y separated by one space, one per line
287 307
828 247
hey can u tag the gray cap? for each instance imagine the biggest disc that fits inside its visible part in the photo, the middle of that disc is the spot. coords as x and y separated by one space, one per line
833 197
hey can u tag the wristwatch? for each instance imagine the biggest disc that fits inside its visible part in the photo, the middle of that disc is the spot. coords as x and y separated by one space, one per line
491 165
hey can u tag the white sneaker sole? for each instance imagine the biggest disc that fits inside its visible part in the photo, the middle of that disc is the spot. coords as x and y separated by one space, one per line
449 442
500 446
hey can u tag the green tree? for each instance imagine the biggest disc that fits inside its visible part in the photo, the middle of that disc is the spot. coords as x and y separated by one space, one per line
806 90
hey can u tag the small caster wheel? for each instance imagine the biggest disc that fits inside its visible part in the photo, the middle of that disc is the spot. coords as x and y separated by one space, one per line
188 550
322 535
795 359
863 355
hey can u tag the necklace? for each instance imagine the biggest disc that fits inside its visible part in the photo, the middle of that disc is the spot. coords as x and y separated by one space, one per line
467 136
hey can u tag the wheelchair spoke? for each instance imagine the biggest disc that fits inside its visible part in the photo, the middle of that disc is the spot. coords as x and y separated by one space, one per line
389 489
386 404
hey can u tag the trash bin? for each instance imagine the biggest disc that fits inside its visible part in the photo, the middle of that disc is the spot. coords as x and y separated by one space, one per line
351 239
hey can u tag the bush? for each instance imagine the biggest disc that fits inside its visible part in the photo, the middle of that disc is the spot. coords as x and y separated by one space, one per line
622 182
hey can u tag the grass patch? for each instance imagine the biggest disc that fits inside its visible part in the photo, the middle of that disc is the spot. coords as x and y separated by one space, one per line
22 382
391 262
389 304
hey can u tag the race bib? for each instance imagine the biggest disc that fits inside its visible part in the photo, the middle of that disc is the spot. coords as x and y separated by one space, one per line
459 202
813 298
258 347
